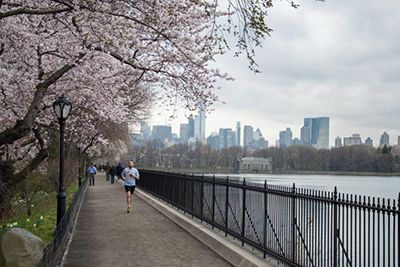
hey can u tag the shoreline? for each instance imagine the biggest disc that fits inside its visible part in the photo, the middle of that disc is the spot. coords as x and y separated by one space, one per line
225 171
338 173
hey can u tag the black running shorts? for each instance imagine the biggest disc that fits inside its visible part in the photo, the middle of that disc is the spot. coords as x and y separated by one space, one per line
130 188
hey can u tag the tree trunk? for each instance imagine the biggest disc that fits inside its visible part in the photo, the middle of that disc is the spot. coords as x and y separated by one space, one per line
7 188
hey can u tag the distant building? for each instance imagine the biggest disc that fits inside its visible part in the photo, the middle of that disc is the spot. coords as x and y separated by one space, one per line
238 134
369 142
183 132
213 141
296 141
266 144
355 139
260 143
257 134
254 165
161 133
277 143
145 131
285 138
384 139
248 135
226 138
190 127
305 136
338 142
319 132
398 140
200 124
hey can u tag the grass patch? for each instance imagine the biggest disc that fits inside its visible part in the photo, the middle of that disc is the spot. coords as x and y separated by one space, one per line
44 215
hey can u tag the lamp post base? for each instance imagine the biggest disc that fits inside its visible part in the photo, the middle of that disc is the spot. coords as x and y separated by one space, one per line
61 205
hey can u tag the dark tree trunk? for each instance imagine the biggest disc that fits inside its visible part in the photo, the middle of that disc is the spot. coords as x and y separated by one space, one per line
8 183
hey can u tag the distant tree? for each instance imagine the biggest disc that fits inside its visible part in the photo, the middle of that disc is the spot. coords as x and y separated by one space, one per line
385 149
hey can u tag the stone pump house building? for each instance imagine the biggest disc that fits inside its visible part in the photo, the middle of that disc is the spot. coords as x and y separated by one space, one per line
254 165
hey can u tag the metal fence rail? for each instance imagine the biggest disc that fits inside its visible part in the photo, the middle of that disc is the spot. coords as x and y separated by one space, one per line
299 227
54 251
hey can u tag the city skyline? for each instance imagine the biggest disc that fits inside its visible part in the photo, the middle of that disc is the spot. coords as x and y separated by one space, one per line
247 130
322 59
296 132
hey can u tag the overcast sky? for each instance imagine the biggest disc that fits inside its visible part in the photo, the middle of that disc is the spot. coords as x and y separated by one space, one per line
337 58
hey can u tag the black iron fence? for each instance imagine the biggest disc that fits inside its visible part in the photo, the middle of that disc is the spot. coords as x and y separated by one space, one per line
299 227
55 249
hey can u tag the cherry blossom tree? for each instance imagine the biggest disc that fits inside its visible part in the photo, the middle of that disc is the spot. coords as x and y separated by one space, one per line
102 54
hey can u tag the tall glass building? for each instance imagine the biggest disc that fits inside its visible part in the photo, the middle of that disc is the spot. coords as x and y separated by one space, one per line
200 124
238 133
190 127
226 138
248 135
316 132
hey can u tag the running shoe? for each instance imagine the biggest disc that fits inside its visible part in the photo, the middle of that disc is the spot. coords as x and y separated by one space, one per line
128 210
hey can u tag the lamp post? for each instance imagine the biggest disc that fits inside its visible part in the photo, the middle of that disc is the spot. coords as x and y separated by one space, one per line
62 108
80 167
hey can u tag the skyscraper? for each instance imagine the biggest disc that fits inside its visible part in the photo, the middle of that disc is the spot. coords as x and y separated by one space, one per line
398 140
285 138
213 140
247 135
202 117
319 131
238 133
353 140
226 138
183 132
305 136
197 127
200 124
338 142
369 142
161 132
384 139
145 130
259 141
190 127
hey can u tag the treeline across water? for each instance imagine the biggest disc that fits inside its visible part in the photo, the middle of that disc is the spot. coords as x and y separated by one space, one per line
295 158
346 159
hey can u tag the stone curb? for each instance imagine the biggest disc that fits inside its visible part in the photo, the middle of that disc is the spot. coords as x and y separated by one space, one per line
66 249
232 253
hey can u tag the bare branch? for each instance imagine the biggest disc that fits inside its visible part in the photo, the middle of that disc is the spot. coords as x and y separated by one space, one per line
22 11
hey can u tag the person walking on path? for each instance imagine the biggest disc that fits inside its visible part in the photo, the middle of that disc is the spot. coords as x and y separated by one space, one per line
130 175
112 173
107 170
91 173
119 170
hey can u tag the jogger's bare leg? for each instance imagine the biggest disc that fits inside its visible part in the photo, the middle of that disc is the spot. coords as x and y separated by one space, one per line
128 198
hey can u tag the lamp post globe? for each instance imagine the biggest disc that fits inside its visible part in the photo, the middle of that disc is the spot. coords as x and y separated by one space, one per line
62 107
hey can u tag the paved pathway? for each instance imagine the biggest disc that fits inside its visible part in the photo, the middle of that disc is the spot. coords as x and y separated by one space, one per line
105 235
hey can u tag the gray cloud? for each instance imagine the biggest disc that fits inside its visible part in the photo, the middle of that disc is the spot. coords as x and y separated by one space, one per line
338 58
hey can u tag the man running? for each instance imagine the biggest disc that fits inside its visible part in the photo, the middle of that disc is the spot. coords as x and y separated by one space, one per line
129 175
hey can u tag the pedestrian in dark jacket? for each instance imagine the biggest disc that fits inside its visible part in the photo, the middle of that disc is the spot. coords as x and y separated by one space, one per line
119 170
112 173
107 170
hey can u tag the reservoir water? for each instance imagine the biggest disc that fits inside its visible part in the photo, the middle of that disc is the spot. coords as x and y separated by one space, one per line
378 186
